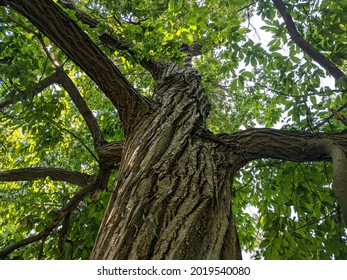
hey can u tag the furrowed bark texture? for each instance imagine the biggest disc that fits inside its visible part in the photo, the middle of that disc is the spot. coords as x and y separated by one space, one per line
172 199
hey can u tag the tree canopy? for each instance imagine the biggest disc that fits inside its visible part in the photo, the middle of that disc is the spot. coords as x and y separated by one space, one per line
61 136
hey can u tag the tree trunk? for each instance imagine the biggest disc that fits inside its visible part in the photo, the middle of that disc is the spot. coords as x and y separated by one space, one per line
172 199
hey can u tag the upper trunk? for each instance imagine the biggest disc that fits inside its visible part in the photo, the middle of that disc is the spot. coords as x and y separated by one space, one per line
172 199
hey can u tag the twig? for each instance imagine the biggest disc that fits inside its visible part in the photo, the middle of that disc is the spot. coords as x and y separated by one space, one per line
74 136
40 86
246 7
63 233
339 117
331 116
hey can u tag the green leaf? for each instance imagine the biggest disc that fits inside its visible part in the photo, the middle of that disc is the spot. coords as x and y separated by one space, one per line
313 99
247 74
171 5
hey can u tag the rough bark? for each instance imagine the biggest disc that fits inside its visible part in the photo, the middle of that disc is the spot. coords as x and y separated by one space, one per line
172 199
298 146
170 208
55 174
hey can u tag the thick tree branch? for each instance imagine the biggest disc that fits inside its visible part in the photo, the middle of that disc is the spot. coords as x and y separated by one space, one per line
55 174
295 146
304 45
339 172
40 86
76 44
260 143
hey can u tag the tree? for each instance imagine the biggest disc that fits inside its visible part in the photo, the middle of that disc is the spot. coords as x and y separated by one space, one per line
175 103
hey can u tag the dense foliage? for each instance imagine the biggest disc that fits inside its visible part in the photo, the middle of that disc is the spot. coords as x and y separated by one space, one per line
284 210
